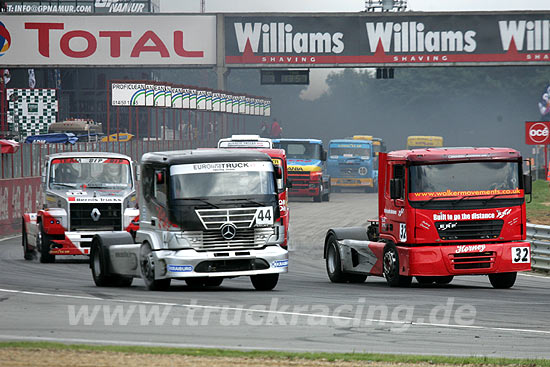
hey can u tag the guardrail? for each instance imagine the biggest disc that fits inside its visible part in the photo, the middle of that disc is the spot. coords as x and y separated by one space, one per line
539 237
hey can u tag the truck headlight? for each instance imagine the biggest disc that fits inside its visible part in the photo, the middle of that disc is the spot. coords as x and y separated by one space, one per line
187 239
129 215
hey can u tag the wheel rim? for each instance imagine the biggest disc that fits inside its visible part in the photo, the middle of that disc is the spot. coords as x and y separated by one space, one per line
147 265
331 259
389 263
97 263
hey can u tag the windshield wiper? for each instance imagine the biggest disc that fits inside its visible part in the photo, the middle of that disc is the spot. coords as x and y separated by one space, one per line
201 200
246 200
72 186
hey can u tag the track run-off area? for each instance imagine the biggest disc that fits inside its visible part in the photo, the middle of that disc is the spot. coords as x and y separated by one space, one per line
305 312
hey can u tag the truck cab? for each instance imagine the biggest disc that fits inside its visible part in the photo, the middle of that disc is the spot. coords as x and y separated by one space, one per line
441 213
351 163
82 193
306 167
205 215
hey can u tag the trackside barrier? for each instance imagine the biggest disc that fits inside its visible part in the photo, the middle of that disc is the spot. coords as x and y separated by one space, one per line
539 237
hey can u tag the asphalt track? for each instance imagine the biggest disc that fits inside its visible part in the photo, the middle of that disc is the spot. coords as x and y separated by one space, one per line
305 312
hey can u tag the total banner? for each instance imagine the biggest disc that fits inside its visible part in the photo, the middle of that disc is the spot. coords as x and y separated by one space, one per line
108 40
474 38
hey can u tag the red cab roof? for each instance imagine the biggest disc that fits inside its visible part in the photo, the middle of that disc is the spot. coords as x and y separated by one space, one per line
434 155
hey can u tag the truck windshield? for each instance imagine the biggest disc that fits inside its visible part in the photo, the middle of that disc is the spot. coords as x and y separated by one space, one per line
362 152
300 150
90 172
464 179
207 180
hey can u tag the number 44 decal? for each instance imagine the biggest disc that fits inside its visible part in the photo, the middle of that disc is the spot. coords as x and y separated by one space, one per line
520 255
264 216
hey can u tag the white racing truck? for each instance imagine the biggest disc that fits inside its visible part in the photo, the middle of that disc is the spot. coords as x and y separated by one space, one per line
82 193
205 215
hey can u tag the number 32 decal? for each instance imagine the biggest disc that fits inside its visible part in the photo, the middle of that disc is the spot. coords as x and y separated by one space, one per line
403 232
520 255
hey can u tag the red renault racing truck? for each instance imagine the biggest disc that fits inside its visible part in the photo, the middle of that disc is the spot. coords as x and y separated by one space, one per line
442 212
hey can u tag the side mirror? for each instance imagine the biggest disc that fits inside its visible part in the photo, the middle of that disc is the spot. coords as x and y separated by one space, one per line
138 171
396 188
323 155
278 172
159 177
44 171
289 183
527 184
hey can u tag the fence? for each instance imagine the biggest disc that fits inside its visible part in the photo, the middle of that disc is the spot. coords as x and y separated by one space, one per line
539 237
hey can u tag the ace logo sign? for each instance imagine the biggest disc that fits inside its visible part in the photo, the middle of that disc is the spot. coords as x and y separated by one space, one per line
537 133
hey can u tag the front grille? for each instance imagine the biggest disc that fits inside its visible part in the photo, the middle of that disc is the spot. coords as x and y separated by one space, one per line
299 180
246 238
215 218
475 260
348 170
109 218
216 266
469 230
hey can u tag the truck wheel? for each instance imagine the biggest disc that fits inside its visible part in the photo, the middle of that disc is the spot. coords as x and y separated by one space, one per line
333 262
264 282
319 198
444 280
326 197
147 266
28 254
100 269
503 280
425 280
391 268
44 246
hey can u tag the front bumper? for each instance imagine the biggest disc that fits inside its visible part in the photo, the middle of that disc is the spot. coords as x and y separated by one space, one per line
189 263
465 259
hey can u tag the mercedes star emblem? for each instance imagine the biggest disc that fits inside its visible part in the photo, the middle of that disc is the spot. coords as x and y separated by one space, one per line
228 231
95 214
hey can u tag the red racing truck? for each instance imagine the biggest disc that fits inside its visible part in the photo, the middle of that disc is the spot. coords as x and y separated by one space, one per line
442 212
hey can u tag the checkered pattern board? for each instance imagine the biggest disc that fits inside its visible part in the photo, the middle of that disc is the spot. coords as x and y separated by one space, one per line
31 111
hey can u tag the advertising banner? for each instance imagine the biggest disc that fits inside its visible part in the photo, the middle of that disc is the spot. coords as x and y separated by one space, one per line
367 39
158 97
209 100
149 95
201 100
242 104
229 103
192 98
223 100
17 196
235 103
537 132
216 101
185 98
128 94
177 97
103 40
168 96
267 107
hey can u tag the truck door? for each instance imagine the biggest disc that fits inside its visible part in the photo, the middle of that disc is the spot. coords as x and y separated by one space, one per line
394 211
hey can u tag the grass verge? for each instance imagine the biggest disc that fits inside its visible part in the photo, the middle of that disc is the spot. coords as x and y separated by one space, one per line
538 210
282 356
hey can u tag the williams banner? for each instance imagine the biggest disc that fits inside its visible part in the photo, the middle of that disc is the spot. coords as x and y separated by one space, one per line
506 38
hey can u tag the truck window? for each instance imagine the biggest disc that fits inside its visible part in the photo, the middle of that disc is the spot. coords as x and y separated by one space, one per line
160 189
399 173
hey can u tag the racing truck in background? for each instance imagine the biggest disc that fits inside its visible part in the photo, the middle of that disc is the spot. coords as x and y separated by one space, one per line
351 163
419 142
278 156
82 193
441 213
205 215
306 167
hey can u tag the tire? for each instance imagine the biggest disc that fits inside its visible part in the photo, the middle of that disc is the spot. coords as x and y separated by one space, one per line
391 268
100 269
264 282
27 253
503 280
204 282
444 280
425 280
44 247
334 268
326 197
147 268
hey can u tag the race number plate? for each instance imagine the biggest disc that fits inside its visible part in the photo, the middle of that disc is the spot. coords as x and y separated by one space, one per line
264 216
521 255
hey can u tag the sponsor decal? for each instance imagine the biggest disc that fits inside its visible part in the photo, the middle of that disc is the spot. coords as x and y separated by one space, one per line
504 213
537 133
221 167
425 225
95 200
5 39
390 211
445 194
180 268
305 168
244 144
469 248
466 216
280 264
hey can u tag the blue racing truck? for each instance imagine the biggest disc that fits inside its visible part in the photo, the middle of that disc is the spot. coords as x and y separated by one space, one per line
352 163
306 167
